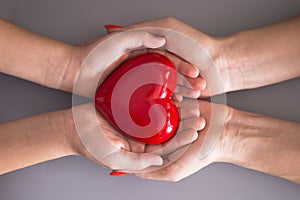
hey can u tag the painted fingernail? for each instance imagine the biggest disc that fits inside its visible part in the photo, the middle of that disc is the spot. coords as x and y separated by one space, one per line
111 26
117 173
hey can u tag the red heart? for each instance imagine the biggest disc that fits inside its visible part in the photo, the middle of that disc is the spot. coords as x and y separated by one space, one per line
135 98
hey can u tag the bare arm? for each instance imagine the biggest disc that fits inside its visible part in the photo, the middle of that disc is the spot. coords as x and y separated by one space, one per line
29 56
248 140
261 56
32 140
265 144
44 137
246 59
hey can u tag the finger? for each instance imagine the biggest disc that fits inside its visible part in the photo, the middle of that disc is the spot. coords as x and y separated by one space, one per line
188 69
135 39
129 161
186 103
113 136
177 153
193 83
119 45
137 52
160 23
167 173
181 65
162 174
189 112
135 146
190 78
179 140
174 168
197 123
177 98
205 93
187 92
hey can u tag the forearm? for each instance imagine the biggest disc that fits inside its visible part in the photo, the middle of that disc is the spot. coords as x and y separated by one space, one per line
33 57
261 56
33 140
266 144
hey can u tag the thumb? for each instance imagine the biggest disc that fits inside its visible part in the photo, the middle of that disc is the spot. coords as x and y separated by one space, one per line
113 135
131 40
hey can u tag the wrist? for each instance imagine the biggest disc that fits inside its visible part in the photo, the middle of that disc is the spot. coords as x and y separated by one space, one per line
229 143
225 145
227 58
69 131
72 61
73 141
247 137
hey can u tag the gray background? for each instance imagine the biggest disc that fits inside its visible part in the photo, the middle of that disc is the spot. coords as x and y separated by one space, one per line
74 21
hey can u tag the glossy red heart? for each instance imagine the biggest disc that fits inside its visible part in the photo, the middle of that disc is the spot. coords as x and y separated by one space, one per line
136 98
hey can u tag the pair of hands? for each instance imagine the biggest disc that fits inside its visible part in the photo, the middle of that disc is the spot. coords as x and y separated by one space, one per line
120 153
243 60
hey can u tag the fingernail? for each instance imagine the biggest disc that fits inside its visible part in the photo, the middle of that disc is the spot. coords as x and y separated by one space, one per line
117 173
202 124
158 161
196 73
111 26
195 136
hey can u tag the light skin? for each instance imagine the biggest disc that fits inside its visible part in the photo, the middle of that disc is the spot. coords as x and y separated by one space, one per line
48 136
249 140
56 65
245 60
235 57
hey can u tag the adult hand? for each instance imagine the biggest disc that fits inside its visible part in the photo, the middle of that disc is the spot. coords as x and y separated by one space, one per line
193 158
115 153
57 65
94 138
189 84
245 139
189 44
248 59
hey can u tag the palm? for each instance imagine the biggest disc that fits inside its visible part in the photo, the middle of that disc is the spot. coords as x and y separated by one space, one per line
196 156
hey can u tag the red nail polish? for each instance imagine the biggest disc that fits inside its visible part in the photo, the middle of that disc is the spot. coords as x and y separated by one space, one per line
110 26
117 173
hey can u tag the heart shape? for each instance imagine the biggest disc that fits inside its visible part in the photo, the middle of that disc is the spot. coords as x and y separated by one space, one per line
136 98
